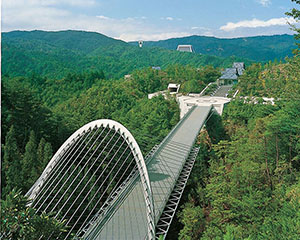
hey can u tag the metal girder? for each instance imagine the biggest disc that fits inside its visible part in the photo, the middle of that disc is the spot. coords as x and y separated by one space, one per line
168 213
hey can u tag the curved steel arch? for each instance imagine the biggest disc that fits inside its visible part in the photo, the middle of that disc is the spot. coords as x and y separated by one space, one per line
135 150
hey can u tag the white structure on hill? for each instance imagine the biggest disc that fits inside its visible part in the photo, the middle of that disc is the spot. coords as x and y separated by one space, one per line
156 68
185 48
173 88
128 76
186 102
141 43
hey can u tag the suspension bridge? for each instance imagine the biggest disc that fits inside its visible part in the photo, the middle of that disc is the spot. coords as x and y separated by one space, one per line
100 183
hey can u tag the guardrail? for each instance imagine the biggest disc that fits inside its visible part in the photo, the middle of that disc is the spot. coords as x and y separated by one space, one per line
203 91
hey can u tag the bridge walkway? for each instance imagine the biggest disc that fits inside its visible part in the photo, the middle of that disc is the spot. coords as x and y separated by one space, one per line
164 169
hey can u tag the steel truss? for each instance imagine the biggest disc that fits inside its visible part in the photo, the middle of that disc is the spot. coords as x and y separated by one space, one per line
169 211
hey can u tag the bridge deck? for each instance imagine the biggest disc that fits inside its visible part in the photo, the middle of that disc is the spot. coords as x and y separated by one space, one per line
130 220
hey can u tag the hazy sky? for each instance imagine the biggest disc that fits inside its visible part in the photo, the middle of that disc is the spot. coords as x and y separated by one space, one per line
151 19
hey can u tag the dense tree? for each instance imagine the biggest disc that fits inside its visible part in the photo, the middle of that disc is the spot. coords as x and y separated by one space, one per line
193 220
284 224
249 179
30 163
40 152
271 80
192 79
44 154
295 13
48 154
22 108
18 221
151 120
10 172
251 189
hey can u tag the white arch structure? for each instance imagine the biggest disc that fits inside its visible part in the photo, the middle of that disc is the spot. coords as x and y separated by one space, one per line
135 151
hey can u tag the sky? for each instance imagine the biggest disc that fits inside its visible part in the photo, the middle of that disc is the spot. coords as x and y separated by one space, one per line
131 20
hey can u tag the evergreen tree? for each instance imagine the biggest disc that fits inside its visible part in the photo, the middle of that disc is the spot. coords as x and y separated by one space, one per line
40 153
44 154
11 163
48 153
30 163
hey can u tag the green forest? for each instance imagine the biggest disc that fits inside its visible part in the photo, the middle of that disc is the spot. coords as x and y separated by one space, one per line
39 114
246 183
258 48
246 180
55 54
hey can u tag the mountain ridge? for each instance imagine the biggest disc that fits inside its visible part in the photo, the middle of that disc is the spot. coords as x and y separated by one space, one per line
54 54
256 48
64 38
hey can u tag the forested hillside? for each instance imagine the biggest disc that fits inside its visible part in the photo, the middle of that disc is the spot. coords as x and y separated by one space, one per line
246 180
40 112
55 54
261 48
34 127
246 186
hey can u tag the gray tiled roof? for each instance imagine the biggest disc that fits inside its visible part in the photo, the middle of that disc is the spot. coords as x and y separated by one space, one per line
240 71
240 66
229 73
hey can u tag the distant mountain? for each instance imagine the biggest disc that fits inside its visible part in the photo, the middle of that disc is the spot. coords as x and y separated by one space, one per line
84 42
261 48
55 54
